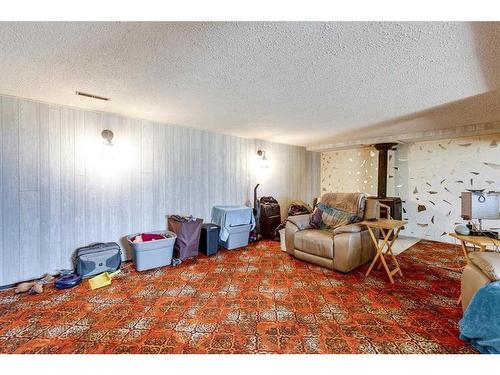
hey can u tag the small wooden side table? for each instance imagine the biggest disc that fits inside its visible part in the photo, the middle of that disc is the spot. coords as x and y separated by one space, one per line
479 241
387 227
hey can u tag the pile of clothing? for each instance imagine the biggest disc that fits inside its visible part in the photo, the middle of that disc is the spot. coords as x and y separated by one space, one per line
183 218
146 237
35 286
295 208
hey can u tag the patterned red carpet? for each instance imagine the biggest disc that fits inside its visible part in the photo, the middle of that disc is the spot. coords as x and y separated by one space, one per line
256 300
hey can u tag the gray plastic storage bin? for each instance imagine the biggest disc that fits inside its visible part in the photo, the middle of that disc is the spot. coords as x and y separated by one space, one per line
238 237
152 254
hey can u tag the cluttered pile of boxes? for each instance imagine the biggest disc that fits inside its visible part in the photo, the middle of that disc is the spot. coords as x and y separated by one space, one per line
184 238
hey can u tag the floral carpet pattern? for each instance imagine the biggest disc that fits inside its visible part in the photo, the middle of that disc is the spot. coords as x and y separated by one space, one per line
253 300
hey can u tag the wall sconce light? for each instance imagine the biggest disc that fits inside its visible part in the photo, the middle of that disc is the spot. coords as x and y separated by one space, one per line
264 162
107 135
107 153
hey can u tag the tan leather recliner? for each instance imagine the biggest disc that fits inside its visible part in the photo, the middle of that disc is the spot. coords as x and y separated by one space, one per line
347 248
482 268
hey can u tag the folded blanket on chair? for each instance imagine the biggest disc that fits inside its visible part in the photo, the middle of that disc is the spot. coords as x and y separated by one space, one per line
338 209
348 202
480 324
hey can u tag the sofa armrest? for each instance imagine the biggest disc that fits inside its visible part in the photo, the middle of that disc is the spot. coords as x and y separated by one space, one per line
294 224
300 221
350 228
471 281
488 262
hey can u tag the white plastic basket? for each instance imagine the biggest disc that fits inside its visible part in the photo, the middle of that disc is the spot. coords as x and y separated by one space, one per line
152 254
282 239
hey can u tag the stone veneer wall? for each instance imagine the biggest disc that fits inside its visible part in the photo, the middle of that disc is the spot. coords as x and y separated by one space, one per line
428 176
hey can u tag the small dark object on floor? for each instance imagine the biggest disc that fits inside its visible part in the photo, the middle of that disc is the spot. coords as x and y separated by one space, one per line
176 261
254 236
66 281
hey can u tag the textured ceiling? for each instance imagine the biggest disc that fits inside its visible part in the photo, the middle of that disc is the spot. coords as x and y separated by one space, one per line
302 83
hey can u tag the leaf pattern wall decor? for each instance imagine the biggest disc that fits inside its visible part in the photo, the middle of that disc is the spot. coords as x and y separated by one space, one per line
349 171
428 176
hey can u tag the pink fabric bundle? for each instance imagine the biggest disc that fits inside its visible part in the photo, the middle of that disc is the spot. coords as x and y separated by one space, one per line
146 237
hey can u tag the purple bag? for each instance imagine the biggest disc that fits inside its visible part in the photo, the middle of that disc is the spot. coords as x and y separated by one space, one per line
188 236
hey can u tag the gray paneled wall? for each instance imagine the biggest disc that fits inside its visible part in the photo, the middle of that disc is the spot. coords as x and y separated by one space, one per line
60 190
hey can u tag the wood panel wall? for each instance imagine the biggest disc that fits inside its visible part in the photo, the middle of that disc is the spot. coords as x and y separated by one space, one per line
59 190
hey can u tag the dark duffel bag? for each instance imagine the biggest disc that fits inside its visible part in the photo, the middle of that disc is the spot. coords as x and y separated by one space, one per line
270 217
97 258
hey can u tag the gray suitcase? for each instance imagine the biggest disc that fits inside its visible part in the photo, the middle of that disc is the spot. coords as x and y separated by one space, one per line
97 258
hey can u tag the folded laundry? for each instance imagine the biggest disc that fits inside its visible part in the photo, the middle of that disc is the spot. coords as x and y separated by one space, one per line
186 218
146 237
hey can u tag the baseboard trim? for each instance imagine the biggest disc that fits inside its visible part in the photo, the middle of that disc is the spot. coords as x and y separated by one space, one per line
10 286
5 287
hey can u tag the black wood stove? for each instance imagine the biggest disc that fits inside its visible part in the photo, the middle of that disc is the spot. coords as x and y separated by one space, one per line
394 203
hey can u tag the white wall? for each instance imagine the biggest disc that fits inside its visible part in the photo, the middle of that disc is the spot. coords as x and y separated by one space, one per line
59 191
430 174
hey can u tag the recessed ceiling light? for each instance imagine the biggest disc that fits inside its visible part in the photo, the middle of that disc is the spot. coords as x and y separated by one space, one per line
92 96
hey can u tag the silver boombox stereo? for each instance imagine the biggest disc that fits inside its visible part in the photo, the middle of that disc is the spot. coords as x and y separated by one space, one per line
476 204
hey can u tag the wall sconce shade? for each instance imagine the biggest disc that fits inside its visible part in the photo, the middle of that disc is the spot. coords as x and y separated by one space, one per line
264 162
107 135
107 148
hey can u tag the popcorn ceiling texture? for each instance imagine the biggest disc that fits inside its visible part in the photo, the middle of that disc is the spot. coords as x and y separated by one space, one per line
302 83
428 176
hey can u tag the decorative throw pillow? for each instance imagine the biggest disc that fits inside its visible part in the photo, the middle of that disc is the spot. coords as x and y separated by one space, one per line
315 221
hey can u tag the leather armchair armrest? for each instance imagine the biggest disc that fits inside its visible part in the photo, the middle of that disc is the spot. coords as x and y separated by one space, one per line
472 280
300 221
350 228
488 262
294 224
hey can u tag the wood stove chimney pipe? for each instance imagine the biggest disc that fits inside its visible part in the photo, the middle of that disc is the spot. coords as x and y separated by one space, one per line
382 167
